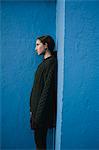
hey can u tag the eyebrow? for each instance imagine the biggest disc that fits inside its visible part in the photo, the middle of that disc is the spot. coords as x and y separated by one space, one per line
38 43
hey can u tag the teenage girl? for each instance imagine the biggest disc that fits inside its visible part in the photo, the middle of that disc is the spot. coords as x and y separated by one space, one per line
43 99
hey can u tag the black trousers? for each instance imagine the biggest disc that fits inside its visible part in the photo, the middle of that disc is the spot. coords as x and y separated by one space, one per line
40 135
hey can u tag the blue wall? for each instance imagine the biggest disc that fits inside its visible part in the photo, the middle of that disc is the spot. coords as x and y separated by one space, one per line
77 32
80 112
60 25
21 23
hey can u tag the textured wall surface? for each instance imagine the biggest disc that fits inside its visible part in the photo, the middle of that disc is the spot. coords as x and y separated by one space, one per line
21 23
80 115
77 38
0 77
60 26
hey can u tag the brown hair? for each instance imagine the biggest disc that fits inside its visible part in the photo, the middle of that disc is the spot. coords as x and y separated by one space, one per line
49 40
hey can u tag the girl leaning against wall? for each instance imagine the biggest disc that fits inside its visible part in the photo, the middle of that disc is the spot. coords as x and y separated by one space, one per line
43 99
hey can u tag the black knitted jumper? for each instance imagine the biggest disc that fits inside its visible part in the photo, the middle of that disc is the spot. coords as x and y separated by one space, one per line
43 99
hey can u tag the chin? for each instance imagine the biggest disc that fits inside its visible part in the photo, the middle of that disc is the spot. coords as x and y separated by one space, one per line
40 53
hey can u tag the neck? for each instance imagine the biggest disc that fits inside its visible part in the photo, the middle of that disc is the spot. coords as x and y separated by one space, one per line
47 54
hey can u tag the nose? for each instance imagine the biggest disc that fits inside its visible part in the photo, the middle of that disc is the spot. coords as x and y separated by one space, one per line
36 50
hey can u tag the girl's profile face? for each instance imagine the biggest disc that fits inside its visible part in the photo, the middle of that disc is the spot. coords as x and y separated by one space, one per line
39 47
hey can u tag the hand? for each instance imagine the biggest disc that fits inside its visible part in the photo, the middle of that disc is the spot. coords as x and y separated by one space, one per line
30 113
32 122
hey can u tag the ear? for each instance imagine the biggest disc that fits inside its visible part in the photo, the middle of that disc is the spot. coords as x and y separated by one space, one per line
46 45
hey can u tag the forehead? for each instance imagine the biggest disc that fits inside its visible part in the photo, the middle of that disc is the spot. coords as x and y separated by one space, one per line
38 41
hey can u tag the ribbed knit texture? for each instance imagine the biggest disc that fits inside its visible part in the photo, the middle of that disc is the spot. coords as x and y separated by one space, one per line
43 99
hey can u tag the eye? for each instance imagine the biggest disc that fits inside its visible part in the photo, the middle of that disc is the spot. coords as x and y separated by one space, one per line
37 44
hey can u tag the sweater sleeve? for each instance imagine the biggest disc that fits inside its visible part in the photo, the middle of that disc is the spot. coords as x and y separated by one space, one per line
41 112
